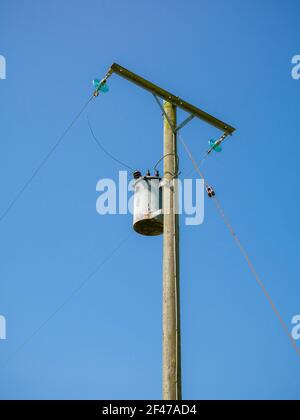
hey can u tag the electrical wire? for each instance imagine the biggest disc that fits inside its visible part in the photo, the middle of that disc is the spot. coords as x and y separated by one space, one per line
232 232
205 156
163 157
243 251
254 272
70 297
44 161
177 165
104 150
207 153
191 157
101 264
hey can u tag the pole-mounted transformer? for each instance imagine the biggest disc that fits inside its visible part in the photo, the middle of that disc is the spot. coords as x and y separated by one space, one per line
147 208
154 214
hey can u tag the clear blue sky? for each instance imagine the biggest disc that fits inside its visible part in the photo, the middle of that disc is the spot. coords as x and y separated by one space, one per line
231 58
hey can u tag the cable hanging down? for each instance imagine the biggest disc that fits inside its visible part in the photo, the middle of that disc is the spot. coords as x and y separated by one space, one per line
104 150
242 249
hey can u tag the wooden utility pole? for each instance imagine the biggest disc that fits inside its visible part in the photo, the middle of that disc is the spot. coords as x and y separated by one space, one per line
171 295
171 289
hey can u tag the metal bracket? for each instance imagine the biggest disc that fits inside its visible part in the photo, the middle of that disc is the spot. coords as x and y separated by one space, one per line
179 127
174 129
185 122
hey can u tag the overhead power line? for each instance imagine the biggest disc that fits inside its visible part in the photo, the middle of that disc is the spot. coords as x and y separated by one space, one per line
254 272
70 297
43 162
242 249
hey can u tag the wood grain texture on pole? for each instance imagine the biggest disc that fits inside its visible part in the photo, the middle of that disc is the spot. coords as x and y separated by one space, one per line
171 298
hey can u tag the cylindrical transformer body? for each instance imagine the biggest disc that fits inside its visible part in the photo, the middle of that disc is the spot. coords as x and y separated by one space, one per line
147 208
